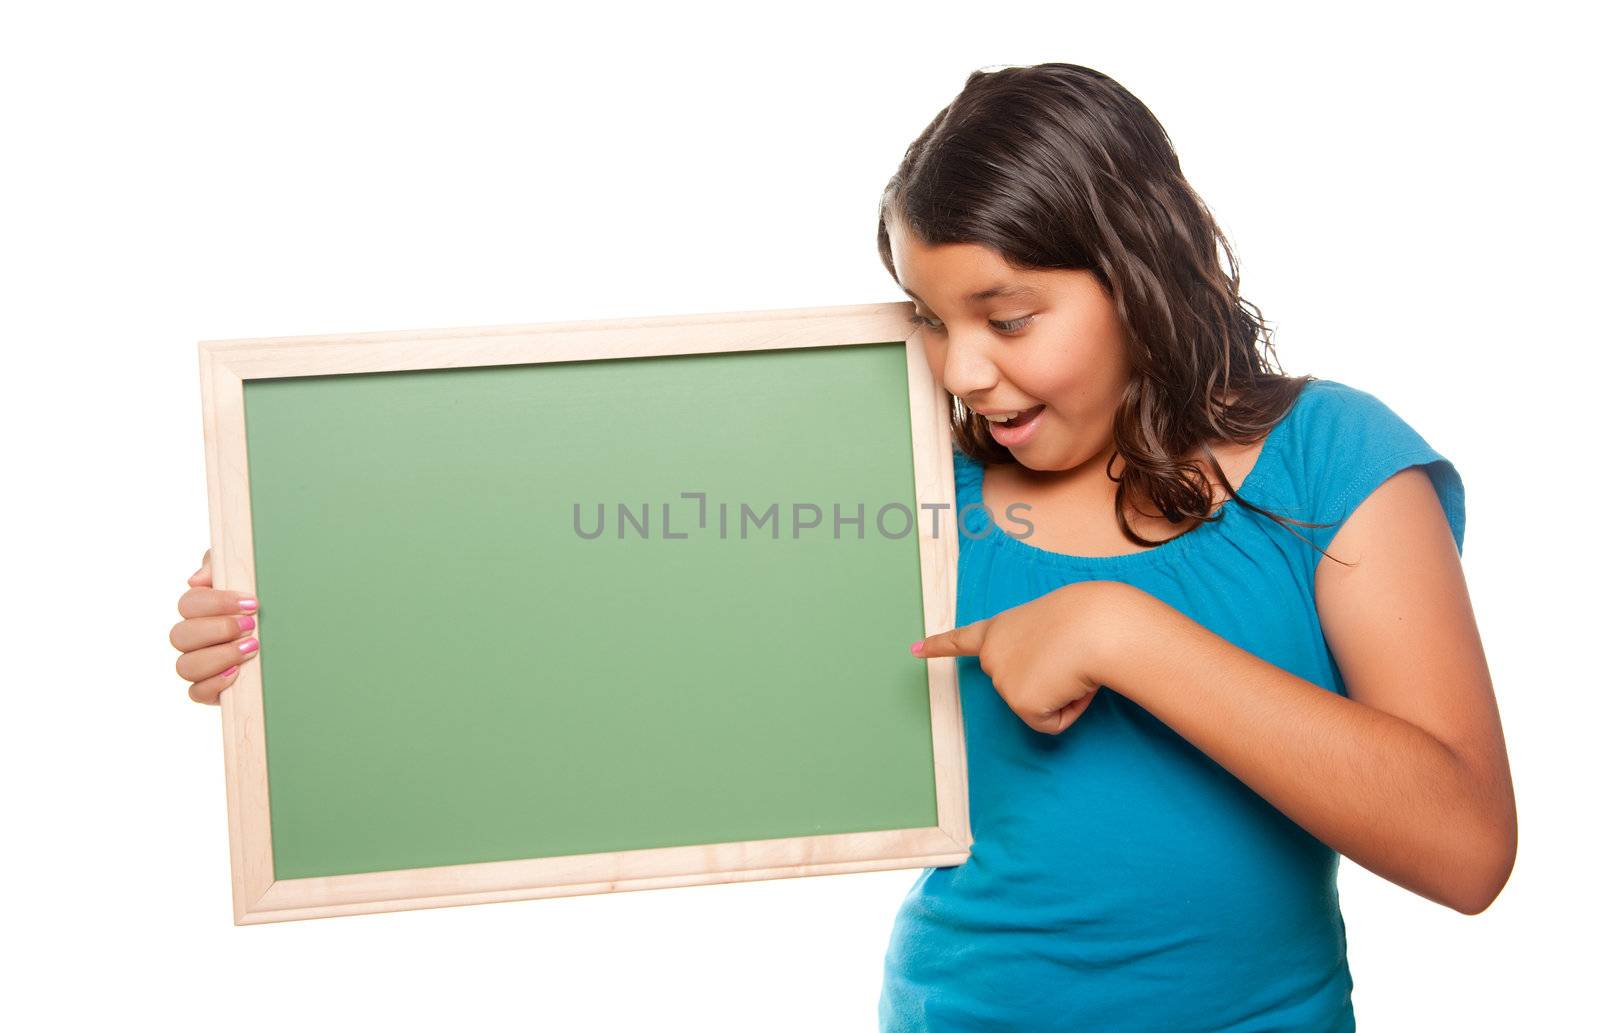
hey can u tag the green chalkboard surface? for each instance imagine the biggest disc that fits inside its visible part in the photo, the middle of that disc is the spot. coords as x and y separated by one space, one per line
454 671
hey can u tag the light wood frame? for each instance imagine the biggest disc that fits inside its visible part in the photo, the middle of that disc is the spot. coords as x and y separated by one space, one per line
258 897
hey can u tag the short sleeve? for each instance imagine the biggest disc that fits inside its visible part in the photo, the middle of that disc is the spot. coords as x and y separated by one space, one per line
1350 443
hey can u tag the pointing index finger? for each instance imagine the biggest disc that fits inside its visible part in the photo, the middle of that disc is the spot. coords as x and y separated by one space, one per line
963 641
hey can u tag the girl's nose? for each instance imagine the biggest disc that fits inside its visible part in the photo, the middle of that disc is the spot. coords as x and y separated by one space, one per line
967 369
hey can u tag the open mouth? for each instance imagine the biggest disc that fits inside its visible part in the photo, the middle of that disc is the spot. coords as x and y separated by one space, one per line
1016 431
1020 419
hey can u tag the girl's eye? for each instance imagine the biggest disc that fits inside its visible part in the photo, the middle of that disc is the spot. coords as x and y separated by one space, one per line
1010 326
1005 326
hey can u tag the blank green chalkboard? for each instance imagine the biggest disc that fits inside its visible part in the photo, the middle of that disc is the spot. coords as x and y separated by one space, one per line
587 609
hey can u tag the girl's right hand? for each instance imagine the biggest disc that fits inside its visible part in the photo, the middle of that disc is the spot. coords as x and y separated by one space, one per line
214 635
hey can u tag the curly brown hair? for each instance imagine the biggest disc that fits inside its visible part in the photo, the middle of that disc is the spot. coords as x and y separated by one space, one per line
1058 166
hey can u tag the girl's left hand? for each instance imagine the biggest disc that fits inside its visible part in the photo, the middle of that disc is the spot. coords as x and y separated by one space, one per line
1045 657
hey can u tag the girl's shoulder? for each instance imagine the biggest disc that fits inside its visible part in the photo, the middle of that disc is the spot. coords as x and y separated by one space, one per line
969 476
1337 444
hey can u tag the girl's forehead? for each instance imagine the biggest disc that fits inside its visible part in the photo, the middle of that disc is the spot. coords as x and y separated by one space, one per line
955 278
949 266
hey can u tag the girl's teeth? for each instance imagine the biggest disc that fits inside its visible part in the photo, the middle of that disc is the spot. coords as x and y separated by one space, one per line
1002 417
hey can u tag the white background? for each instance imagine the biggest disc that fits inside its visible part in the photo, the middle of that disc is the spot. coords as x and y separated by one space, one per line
1405 188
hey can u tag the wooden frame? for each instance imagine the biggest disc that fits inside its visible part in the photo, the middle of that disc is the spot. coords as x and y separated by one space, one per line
258 897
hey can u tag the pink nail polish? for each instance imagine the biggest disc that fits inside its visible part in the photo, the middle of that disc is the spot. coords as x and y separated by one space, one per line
248 645
246 623
248 604
916 647
230 670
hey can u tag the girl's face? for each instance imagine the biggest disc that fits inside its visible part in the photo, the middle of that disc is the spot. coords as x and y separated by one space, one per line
1043 342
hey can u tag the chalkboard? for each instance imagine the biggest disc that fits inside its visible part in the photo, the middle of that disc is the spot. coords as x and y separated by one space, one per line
583 607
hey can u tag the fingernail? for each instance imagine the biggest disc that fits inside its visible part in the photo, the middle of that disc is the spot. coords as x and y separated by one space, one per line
248 645
248 604
230 670
246 623
916 647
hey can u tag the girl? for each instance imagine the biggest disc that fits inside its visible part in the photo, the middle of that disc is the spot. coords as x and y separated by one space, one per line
1237 642
1234 644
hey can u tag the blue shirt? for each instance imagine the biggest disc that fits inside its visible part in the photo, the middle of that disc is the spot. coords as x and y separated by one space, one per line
1120 879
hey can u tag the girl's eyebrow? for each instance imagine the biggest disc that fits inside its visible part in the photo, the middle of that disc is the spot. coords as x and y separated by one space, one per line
1004 290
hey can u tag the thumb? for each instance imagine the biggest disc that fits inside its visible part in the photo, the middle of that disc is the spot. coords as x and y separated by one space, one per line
202 577
963 641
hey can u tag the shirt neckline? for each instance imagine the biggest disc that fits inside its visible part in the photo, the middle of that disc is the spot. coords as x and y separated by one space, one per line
986 530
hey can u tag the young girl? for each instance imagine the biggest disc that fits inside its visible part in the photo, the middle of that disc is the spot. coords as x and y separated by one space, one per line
1222 638
1235 642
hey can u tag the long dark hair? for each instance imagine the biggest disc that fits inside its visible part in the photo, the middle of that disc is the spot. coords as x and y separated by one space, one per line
1058 166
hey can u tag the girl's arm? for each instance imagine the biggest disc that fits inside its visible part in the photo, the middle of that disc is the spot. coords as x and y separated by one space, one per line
1408 776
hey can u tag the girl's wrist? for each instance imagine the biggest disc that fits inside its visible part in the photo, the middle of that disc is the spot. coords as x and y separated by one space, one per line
1128 623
